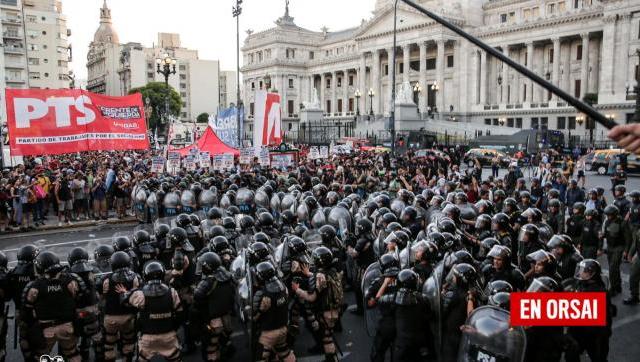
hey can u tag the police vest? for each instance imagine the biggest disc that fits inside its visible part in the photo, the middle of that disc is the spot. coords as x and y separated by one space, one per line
634 216
277 316
54 302
20 276
157 317
90 297
221 299
113 305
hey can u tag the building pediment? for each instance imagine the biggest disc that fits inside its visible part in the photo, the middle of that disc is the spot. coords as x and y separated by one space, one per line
407 18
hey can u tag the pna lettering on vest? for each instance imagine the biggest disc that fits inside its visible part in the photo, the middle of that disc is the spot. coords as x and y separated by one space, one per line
558 309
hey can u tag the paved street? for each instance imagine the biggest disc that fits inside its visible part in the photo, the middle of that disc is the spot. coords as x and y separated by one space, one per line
353 340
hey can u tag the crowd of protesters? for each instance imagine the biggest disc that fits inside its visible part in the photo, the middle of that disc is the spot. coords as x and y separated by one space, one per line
96 185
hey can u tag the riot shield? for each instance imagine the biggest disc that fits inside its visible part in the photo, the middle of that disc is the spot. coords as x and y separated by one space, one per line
371 315
487 336
313 239
245 306
207 199
140 204
397 206
303 213
288 203
188 201
225 202
170 203
432 290
340 219
245 200
153 211
238 267
546 232
275 203
262 199
319 219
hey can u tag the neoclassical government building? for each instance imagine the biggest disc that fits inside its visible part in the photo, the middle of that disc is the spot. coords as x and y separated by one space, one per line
586 47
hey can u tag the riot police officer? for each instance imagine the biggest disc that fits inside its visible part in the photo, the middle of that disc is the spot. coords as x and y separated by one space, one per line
182 278
22 274
363 255
145 247
529 241
632 249
385 284
425 254
325 291
501 268
5 295
576 222
102 258
459 298
566 255
119 319
555 217
620 200
213 302
504 233
591 238
593 340
616 233
410 316
544 343
88 314
50 301
269 308
157 305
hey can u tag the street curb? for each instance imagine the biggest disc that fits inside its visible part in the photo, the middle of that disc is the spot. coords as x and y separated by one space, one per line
46 229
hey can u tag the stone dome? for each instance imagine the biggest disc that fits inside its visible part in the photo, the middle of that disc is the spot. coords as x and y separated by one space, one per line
106 33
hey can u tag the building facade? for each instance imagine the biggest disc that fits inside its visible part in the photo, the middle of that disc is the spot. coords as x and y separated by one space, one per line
228 89
115 68
586 47
35 52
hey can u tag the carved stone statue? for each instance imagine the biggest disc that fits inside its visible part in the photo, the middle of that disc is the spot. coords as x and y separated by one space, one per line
314 104
404 94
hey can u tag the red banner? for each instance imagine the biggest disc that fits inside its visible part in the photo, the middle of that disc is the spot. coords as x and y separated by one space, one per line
72 120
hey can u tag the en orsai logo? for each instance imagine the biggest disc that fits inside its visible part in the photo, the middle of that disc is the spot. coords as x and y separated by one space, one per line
558 309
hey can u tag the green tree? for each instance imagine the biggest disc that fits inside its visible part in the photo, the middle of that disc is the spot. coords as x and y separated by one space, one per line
203 118
156 92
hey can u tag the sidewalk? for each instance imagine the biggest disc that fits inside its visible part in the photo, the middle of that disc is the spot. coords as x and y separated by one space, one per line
52 224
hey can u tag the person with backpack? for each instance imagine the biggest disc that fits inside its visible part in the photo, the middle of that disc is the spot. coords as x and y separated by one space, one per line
64 199
325 291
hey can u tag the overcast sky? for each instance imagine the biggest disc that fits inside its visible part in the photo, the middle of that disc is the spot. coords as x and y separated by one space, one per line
205 25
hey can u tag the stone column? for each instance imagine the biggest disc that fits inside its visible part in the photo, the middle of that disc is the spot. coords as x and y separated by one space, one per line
323 86
516 90
584 65
375 82
422 104
362 81
345 93
555 77
406 55
608 58
388 99
483 77
530 51
334 92
621 72
505 77
440 75
283 94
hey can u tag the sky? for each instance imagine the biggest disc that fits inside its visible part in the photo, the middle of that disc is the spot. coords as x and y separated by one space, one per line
205 25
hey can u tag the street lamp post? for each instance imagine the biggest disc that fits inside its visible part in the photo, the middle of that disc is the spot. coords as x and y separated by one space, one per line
392 114
371 95
580 120
435 88
166 66
237 10
418 90
358 95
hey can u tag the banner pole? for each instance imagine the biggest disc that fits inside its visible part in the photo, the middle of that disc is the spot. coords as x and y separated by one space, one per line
575 102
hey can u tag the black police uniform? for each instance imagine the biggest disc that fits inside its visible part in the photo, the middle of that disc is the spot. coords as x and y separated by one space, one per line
386 330
30 336
118 319
213 301
410 309
272 318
